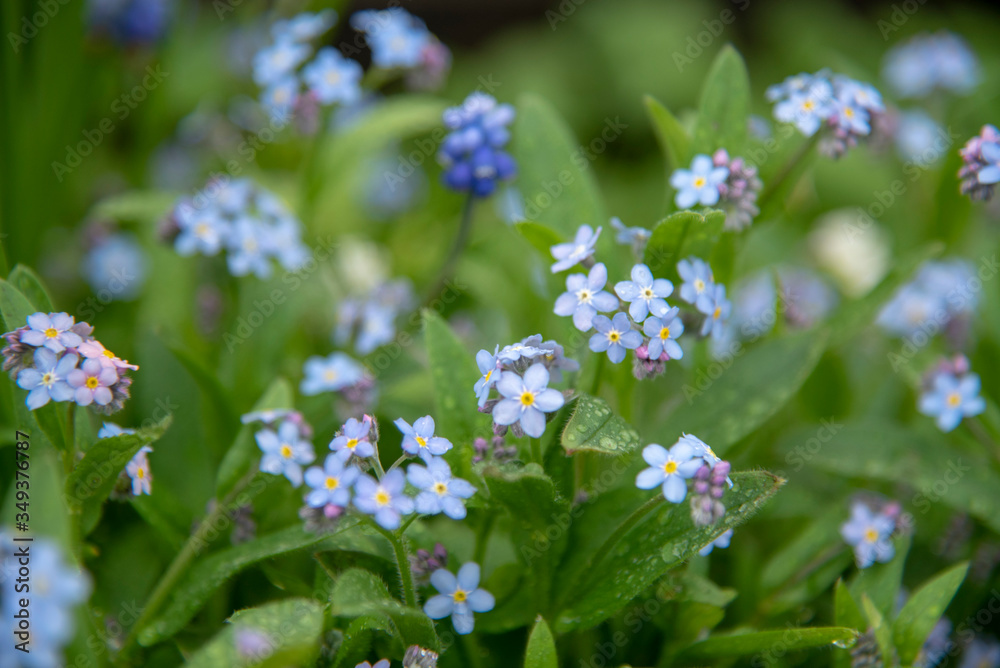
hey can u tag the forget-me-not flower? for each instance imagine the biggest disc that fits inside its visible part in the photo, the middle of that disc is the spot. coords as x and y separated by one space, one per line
869 534
662 332
614 336
330 374
721 542
645 294
526 400
280 97
805 100
304 26
109 429
278 60
952 398
47 378
700 184
528 348
384 499
459 597
576 251
716 307
439 491
202 230
333 78
396 37
636 237
138 470
248 252
472 153
285 451
52 331
927 62
91 383
489 366
669 469
353 439
419 439
585 296
697 277
331 483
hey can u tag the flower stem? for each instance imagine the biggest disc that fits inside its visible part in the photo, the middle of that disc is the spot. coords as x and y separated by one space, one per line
395 539
482 539
786 170
595 385
536 450
376 462
461 239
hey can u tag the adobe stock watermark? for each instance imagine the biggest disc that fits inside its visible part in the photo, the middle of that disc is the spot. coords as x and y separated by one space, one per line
121 108
30 25
697 43
804 453
562 12
635 619
120 280
900 14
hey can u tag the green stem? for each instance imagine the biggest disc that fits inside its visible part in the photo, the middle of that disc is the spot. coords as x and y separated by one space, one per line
461 239
536 450
786 170
69 457
595 385
402 458
395 539
376 462
482 539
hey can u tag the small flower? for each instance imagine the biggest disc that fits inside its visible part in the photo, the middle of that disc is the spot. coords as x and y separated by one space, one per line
304 27
353 439
698 278
528 348
614 336
669 469
488 366
585 296
423 563
53 331
472 153
277 61
330 374
333 78
459 597
420 439
110 429
979 155
202 230
47 379
740 190
331 484
526 400
927 62
868 533
721 542
576 251
645 294
662 332
556 362
247 249
952 398
279 100
285 452
716 307
396 37
138 470
383 498
636 237
981 653
91 383
805 100
440 492
698 185
94 349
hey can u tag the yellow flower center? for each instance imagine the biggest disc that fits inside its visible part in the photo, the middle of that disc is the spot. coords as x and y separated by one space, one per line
440 488
584 296
382 497
141 473
717 312
52 332
665 333
201 229
332 483
107 353
332 77
808 105
421 441
487 375
699 285
699 182
48 378
647 293
849 112
614 335
286 450
92 383
330 375
460 595
670 467
954 399
527 398
352 443
871 535
250 244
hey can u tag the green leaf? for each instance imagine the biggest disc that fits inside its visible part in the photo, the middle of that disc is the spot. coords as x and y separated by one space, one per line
923 610
881 582
293 629
680 235
846 611
358 593
673 138
136 206
723 411
454 373
765 642
541 650
883 634
594 427
211 572
219 405
558 186
244 452
14 306
724 105
539 236
30 285
93 478
358 639
648 550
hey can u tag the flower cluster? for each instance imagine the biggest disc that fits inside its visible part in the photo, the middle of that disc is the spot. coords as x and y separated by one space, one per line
980 170
423 563
925 63
738 193
115 265
284 442
459 597
399 40
55 358
472 153
56 589
846 109
248 222
336 372
702 184
371 320
137 478
951 393
689 459
940 293
328 79
869 532
521 373
635 238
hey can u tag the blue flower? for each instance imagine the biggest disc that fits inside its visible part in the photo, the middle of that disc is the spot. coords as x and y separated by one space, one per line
585 296
488 366
47 379
576 251
333 78
662 332
383 498
248 249
353 440
53 331
526 400
202 230
704 451
981 653
670 469
614 336
330 374
396 37
991 172
697 277
849 116
280 97
440 492
285 452
556 362
273 63
716 307
952 398
645 294
116 266
459 597
700 184
916 136
805 100
331 484
304 27
858 94
528 348
942 60
868 533
721 542
636 237
420 439
92 383
109 429
472 152
138 470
